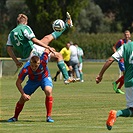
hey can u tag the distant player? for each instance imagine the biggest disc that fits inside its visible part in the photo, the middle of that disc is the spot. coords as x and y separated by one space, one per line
80 57
120 81
65 51
38 76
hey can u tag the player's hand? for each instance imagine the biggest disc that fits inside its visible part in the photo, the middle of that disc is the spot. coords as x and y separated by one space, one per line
19 64
51 50
26 97
98 79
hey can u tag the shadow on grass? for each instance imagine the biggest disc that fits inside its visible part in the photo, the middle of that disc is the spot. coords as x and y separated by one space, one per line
5 121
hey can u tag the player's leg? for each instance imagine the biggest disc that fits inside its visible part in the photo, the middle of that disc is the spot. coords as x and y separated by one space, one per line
56 75
120 80
28 89
54 35
80 71
61 66
47 87
128 112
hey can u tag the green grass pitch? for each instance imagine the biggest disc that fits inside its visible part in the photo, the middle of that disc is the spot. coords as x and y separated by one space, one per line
77 107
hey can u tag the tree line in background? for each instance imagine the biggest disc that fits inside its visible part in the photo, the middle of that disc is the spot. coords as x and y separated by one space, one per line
93 21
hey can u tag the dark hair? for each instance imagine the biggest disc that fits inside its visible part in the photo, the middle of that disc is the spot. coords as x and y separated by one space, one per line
34 59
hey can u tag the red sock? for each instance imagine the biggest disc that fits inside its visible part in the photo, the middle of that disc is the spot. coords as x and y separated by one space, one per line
48 103
18 109
121 82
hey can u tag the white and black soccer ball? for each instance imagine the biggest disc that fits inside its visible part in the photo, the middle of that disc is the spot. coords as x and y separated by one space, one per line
58 25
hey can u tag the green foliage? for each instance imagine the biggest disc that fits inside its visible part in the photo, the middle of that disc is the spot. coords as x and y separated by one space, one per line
96 46
43 13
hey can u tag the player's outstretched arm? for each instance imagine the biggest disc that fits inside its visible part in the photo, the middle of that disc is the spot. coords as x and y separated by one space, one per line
104 68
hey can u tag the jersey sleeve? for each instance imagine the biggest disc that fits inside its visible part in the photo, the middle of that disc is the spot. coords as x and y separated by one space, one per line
9 41
118 54
28 33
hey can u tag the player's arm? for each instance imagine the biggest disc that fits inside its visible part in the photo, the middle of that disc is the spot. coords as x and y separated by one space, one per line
19 86
12 55
40 43
104 68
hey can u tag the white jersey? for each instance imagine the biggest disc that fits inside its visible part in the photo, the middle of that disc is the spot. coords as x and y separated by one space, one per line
74 54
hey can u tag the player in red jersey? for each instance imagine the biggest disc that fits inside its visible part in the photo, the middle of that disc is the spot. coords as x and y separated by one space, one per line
38 76
120 81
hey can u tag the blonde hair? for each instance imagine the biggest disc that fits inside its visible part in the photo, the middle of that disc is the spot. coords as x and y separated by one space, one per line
22 19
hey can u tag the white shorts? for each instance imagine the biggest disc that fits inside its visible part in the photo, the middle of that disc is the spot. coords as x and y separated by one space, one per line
129 96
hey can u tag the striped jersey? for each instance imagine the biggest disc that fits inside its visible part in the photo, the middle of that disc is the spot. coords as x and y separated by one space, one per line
37 75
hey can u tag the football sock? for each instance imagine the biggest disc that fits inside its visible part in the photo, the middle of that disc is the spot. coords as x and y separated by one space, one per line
62 67
121 82
123 113
49 103
57 34
81 76
18 109
57 73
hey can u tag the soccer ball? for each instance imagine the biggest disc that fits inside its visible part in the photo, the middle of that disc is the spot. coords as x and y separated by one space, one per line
58 25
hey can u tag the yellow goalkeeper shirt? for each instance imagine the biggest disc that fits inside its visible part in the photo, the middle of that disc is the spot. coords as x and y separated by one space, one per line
65 53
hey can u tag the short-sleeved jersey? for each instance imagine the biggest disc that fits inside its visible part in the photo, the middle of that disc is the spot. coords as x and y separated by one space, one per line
65 53
80 54
126 52
74 54
20 38
120 42
37 75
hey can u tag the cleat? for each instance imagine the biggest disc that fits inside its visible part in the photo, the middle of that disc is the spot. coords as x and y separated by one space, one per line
82 81
111 119
114 86
119 91
12 120
49 119
78 79
70 80
69 20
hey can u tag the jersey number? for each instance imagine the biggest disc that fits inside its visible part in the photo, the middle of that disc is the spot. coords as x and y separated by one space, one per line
131 59
16 39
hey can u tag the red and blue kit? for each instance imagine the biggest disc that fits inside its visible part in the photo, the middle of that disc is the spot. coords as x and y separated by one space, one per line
40 77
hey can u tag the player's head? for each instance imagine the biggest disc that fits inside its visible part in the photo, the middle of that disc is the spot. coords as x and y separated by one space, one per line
127 34
68 45
75 44
34 62
22 19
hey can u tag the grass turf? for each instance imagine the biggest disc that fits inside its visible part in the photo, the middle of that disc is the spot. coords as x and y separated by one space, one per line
77 108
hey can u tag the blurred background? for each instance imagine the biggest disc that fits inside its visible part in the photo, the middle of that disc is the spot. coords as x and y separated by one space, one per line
98 24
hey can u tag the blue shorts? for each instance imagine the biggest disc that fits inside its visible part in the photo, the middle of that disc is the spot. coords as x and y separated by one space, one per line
31 86
121 66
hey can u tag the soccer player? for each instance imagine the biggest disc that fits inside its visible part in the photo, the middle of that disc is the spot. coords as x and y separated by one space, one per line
80 57
74 61
24 41
120 81
126 52
38 76
65 51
